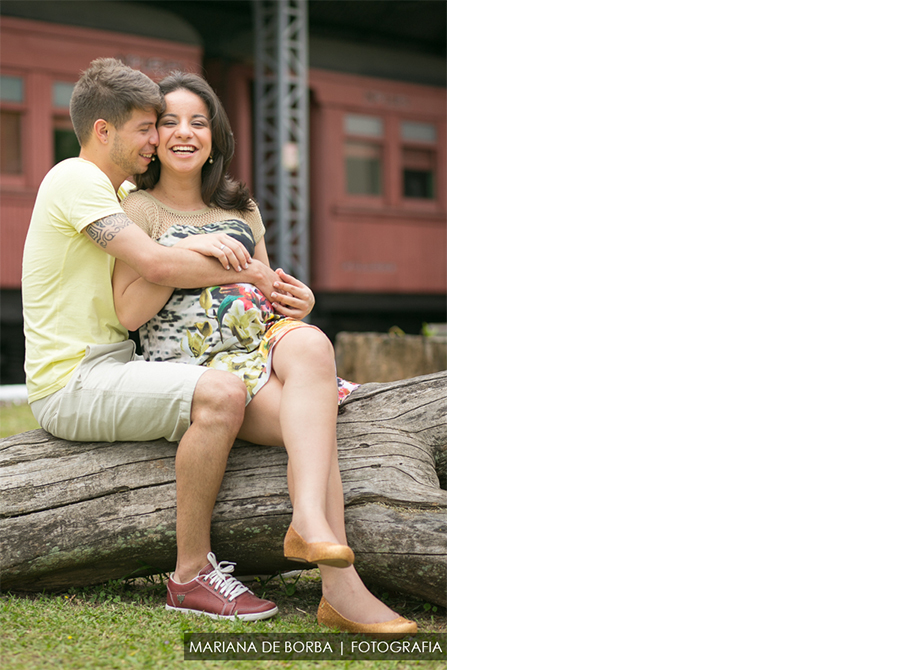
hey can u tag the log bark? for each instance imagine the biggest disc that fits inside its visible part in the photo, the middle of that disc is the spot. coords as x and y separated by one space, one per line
76 513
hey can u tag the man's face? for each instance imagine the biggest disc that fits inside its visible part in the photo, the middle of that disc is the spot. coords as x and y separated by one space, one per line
134 143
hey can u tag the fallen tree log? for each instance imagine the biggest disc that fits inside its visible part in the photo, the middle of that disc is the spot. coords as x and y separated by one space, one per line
77 513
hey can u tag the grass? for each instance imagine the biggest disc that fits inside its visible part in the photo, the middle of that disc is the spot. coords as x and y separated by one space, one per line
123 623
15 419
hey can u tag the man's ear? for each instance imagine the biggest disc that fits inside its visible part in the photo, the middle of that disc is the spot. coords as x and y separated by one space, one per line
101 130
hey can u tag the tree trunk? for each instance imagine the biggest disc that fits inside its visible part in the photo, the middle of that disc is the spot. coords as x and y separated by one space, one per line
76 513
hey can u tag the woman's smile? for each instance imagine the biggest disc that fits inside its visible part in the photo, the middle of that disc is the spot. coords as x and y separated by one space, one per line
184 149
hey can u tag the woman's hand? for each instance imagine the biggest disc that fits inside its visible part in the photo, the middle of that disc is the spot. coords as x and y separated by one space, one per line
229 252
292 297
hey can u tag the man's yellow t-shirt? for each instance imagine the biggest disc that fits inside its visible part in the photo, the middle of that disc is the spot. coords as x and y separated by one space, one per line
67 296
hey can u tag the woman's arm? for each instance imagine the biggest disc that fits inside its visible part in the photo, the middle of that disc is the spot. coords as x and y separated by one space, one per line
137 300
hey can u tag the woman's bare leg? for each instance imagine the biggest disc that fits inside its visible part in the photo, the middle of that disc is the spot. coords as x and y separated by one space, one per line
342 587
302 405
287 412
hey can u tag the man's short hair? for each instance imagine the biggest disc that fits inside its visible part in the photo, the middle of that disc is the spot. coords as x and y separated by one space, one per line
112 91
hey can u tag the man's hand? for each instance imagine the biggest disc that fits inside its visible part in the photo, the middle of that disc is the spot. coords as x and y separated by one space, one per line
262 277
292 297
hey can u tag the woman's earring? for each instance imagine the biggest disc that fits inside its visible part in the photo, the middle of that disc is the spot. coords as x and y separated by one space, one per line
210 160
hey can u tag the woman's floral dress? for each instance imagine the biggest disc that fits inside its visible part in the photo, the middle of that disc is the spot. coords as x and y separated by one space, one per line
232 327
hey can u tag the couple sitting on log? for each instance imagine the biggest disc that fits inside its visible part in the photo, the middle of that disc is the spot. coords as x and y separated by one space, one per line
93 270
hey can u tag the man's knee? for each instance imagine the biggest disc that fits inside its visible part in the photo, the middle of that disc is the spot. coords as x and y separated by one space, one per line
220 397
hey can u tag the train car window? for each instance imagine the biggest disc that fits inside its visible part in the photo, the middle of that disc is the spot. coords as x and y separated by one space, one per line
62 93
418 173
418 132
65 143
12 95
10 142
419 159
12 89
363 154
367 126
362 163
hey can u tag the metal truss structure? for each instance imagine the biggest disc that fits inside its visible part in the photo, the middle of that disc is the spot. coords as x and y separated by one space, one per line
282 131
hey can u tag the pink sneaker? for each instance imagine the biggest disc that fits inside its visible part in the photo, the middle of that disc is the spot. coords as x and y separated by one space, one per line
215 593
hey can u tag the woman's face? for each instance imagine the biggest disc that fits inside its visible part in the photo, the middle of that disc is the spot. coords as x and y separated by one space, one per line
185 136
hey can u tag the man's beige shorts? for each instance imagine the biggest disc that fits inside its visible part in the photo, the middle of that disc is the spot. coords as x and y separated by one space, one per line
116 396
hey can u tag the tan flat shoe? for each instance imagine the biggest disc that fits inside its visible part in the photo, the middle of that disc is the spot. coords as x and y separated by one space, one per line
320 553
387 630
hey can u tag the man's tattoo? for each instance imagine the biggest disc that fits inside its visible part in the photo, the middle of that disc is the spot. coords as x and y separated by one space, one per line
102 231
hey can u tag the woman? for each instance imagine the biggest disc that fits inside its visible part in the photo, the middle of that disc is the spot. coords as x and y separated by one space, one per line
292 385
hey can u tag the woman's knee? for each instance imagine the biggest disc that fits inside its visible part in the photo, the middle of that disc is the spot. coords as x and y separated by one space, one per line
307 345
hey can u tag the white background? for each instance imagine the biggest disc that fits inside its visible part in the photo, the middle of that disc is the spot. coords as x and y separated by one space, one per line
674 314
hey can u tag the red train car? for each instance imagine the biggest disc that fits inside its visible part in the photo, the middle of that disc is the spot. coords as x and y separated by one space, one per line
378 185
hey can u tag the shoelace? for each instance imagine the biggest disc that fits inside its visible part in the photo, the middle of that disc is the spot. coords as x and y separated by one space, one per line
220 578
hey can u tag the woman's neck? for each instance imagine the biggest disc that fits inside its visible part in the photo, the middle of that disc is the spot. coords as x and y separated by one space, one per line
182 194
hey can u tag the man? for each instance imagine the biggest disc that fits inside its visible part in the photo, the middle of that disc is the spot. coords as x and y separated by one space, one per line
84 381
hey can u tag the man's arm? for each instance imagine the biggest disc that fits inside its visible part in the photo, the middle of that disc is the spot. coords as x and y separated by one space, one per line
176 267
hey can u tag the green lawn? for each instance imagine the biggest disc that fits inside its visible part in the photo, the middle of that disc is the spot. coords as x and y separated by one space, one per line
124 624
15 419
